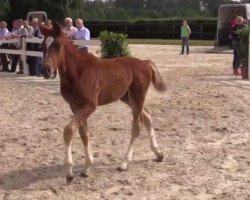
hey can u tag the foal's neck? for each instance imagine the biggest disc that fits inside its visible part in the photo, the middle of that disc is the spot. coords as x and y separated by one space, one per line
74 61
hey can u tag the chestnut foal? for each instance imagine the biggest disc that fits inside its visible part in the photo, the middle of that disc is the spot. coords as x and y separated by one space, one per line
87 82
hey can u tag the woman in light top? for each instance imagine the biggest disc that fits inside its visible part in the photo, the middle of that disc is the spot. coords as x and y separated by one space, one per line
185 33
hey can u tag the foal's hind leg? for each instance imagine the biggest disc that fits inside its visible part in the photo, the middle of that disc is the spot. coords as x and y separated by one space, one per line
83 131
135 134
147 121
136 111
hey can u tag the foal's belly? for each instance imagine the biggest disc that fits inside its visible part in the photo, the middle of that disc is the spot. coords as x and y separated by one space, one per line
111 93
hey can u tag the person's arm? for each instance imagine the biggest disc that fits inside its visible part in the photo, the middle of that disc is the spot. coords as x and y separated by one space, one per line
189 30
87 35
5 33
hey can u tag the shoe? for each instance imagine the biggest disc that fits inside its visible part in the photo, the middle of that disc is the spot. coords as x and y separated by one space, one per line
182 53
236 73
187 53
19 72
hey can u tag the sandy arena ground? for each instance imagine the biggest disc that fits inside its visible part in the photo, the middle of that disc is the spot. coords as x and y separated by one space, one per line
202 125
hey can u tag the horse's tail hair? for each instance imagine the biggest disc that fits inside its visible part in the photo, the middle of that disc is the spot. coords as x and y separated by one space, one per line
157 80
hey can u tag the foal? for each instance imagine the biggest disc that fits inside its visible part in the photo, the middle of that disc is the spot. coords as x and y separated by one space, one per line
87 82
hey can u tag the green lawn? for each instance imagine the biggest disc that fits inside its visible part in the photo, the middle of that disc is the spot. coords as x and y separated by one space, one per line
171 42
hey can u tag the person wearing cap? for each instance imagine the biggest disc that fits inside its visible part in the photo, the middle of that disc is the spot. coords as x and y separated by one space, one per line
3 34
82 33
69 29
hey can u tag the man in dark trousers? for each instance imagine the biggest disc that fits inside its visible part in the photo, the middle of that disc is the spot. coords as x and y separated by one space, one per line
236 44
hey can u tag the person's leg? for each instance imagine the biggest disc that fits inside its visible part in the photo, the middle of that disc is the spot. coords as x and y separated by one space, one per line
187 45
235 55
237 60
20 65
4 59
39 66
183 45
4 62
36 66
14 61
31 63
234 59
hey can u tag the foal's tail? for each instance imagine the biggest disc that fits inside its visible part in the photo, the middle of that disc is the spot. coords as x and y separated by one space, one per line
156 77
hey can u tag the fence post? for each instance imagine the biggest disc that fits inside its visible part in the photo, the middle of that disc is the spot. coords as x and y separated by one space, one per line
24 56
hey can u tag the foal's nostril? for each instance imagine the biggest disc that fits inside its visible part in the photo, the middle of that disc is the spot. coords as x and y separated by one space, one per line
48 70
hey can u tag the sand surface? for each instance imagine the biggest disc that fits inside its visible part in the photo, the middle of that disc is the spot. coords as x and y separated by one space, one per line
202 125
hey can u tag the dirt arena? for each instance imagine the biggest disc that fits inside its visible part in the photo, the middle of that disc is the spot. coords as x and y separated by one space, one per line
202 125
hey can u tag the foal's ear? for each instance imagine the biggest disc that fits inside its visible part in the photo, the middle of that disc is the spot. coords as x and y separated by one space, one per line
57 30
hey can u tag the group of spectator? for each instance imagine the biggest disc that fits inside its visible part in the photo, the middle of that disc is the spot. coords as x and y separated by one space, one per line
23 28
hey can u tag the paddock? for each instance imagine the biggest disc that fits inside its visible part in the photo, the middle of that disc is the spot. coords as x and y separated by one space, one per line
202 124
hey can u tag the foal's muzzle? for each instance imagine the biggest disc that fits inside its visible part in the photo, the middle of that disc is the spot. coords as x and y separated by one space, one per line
49 72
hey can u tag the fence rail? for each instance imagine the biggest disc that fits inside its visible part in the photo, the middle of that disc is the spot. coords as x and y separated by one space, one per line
23 52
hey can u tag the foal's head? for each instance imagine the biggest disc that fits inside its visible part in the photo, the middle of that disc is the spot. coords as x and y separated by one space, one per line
53 50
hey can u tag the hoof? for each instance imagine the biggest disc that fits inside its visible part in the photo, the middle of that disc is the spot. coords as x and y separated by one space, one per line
160 157
69 179
121 169
83 175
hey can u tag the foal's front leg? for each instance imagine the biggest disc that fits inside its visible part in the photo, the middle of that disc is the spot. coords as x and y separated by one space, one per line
79 117
69 131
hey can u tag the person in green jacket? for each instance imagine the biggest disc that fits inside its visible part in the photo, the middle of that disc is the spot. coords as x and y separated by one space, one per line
185 33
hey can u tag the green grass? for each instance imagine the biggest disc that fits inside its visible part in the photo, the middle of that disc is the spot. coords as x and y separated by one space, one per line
170 42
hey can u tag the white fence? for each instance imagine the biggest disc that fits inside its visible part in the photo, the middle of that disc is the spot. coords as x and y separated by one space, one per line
24 53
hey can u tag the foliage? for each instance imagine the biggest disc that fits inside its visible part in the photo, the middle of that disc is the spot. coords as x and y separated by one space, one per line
244 39
4 9
114 45
115 9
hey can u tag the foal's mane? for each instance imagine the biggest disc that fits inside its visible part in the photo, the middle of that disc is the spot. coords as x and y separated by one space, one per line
76 52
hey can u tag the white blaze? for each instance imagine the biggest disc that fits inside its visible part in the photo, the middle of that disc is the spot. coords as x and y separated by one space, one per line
49 41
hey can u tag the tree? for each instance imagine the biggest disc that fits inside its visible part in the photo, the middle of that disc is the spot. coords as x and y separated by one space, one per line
56 9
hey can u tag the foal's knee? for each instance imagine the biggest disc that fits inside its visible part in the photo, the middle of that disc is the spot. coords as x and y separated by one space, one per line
136 128
67 134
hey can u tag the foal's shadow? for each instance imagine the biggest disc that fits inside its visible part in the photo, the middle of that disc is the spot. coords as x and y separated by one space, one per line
23 178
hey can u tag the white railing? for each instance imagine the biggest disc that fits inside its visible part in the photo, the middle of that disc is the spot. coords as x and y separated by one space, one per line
24 53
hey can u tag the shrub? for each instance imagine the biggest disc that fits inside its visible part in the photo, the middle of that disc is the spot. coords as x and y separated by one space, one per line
244 39
114 45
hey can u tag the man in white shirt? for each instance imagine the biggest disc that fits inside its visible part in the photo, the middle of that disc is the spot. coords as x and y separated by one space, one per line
29 28
69 29
82 33
19 32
